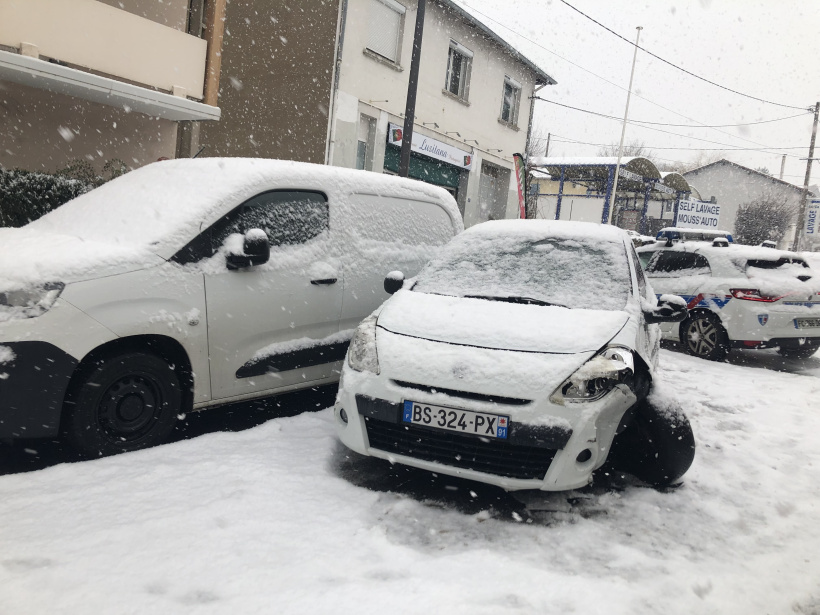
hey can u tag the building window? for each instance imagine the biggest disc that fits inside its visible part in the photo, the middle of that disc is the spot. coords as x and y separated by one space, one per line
386 17
366 142
510 101
459 63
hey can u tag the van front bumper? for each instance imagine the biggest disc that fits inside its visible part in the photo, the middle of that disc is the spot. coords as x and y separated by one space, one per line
32 388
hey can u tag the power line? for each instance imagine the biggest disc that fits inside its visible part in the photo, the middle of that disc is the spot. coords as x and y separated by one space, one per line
620 87
727 145
779 119
561 139
676 66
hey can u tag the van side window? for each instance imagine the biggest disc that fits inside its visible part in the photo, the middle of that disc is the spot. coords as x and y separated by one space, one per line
288 217
675 264
398 220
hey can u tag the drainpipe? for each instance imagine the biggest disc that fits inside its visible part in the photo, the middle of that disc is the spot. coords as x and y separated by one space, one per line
330 146
213 33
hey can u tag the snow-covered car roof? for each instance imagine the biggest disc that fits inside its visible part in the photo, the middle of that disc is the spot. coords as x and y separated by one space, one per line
540 229
162 205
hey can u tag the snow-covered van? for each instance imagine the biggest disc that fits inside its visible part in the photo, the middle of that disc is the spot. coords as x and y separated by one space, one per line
741 297
192 283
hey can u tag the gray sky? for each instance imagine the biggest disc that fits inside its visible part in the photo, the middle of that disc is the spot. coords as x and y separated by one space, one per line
766 48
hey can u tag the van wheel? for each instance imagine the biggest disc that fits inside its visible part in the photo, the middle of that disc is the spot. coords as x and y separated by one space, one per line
657 447
123 403
800 352
705 337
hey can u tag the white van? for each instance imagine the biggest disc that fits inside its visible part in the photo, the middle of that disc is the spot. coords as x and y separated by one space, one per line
192 283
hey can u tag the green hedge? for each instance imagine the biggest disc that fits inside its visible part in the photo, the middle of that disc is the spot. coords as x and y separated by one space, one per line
25 195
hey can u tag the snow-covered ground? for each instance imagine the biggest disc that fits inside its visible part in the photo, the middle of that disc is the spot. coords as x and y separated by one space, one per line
279 519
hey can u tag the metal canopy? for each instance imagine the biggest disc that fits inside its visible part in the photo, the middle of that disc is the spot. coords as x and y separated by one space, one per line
43 75
636 175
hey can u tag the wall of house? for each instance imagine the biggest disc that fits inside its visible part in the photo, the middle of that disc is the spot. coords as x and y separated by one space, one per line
275 84
378 89
43 131
734 186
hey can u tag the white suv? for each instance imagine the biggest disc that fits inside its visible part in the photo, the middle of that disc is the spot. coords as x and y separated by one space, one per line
739 296
192 283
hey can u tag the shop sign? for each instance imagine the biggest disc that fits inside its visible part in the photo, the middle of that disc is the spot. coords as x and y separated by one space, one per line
698 214
813 218
629 175
431 147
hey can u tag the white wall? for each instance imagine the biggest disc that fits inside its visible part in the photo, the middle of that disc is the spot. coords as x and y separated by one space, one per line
380 91
734 186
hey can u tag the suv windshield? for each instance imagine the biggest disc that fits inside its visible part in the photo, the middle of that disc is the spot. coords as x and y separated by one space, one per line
567 272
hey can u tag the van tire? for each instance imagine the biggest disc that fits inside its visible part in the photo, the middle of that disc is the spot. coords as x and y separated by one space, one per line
658 446
703 336
122 403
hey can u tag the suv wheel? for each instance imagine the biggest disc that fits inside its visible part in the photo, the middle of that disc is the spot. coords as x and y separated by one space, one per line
705 337
123 403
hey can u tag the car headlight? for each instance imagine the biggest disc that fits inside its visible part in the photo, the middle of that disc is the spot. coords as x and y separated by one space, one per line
31 302
596 377
362 355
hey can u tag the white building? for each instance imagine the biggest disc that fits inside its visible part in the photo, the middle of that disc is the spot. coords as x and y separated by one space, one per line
733 185
473 109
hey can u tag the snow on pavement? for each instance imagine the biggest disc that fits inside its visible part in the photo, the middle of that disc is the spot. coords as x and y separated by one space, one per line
263 521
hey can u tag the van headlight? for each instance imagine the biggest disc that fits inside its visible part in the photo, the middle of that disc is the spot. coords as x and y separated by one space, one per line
597 377
362 355
31 302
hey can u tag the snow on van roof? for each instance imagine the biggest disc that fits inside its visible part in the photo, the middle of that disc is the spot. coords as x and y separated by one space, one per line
539 229
163 205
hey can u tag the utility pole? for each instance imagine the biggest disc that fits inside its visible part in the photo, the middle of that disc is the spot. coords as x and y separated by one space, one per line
623 130
412 87
782 165
801 216
547 151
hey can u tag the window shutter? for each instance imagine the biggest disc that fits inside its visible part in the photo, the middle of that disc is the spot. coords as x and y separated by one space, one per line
385 23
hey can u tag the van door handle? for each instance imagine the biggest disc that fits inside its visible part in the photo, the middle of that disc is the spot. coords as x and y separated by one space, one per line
324 282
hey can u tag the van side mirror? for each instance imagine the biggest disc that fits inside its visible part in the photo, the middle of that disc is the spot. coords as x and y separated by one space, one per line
255 251
670 308
393 282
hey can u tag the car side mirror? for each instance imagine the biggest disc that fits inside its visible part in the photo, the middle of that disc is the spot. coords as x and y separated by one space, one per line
255 251
669 309
393 282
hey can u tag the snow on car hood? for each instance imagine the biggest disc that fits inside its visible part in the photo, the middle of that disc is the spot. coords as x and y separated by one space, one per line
499 325
31 257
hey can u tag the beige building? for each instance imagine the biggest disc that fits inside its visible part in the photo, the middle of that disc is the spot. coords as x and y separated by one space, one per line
328 84
99 80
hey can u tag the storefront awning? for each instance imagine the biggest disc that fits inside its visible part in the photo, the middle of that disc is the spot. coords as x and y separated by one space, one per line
43 75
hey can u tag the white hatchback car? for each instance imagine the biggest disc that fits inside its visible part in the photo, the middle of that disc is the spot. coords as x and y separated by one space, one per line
193 283
739 297
514 358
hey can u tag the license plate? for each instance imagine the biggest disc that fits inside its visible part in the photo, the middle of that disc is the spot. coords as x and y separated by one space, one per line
806 323
454 419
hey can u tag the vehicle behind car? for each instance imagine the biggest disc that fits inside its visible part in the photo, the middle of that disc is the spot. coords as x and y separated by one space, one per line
740 297
192 283
514 358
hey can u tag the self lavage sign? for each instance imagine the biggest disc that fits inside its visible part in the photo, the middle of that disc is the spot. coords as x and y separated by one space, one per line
698 214
432 147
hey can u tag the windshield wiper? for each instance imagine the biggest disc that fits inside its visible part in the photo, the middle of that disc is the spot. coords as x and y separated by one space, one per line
524 300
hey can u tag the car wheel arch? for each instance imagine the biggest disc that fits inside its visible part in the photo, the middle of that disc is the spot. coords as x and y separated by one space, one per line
164 347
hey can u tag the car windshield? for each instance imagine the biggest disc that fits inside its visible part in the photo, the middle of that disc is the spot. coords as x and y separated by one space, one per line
567 272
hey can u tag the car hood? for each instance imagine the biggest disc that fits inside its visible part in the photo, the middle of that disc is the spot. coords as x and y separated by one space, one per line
499 325
29 257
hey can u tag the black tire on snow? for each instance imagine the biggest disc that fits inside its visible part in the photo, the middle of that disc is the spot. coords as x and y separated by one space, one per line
122 403
799 352
704 336
657 447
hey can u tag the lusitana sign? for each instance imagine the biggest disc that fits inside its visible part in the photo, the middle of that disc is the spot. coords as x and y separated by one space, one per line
432 147
698 214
